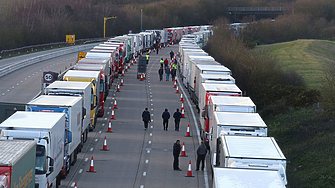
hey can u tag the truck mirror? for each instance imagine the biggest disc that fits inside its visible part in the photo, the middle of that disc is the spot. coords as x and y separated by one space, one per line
51 161
51 169
69 136
84 113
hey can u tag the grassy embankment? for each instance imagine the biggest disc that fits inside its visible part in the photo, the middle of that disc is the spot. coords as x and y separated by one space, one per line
306 138
309 58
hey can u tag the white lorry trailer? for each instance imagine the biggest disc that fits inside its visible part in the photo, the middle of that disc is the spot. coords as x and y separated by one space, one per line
246 178
77 89
251 152
72 107
48 130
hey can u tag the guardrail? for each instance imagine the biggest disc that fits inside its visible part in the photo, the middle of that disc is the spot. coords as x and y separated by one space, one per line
20 64
42 47
256 9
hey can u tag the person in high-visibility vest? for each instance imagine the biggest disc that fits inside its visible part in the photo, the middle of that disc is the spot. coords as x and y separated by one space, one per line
147 58
162 62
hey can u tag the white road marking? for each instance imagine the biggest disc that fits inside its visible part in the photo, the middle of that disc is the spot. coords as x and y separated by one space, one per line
80 171
96 140
151 104
150 93
142 186
91 149
105 118
151 126
99 131
3 93
144 173
107 112
103 124
152 114
150 134
152 109
72 185
148 151
86 159
146 161
149 142
151 100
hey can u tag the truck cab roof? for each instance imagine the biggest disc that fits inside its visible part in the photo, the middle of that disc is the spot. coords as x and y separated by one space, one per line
232 101
55 100
68 85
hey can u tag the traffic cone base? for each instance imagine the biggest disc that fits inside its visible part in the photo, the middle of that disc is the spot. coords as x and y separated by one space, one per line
189 171
115 105
91 169
110 127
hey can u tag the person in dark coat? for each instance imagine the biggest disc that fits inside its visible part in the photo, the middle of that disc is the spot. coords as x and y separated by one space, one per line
167 73
173 73
171 54
177 115
201 154
160 72
166 117
146 118
176 152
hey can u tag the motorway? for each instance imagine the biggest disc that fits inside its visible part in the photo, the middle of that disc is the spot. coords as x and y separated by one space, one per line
136 158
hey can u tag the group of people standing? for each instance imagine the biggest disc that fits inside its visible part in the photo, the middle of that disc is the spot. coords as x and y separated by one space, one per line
146 117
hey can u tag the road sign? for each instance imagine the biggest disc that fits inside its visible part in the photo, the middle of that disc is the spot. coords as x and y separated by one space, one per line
81 55
48 77
70 39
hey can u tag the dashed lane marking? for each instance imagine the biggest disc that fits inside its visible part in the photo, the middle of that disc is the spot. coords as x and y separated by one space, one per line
146 161
144 173
80 171
96 140
149 142
86 159
91 149
150 134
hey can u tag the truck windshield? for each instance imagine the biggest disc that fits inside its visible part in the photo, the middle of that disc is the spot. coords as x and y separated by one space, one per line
102 86
41 166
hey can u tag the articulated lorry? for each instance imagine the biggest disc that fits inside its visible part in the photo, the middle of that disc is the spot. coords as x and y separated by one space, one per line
48 130
17 163
94 78
246 178
251 152
72 107
76 89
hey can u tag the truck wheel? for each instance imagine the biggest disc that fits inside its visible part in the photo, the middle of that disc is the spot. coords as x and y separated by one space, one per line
74 157
58 180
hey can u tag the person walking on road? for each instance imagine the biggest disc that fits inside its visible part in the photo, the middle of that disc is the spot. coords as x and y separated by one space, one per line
173 73
146 118
166 62
166 117
160 72
176 152
162 62
167 73
171 54
177 115
147 58
201 154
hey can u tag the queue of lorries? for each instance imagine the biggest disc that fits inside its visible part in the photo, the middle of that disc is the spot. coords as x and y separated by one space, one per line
241 154
38 146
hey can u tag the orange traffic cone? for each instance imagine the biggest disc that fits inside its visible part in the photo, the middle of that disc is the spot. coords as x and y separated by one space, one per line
177 90
91 166
141 77
189 171
183 113
182 106
164 46
115 104
144 76
154 50
110 124
188 131
135 61
183 153
104 147
112 116
133 57
172 44
181 97
118 87
75 185
128 65
121 81
175 84
122 72
175 79
132 62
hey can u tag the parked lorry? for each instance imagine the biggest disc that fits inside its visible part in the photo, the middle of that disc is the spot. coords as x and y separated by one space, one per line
76 89
17 163
114 54
227 104
208 89
246 178
48 130
94 78
106 71
251 152
110 56
74 114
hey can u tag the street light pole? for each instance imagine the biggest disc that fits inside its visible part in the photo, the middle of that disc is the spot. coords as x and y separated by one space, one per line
105 20
141 18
